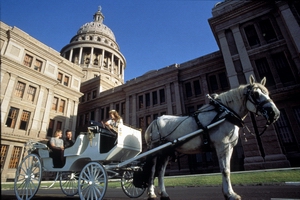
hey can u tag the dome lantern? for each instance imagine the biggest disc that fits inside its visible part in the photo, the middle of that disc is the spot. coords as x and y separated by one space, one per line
98 16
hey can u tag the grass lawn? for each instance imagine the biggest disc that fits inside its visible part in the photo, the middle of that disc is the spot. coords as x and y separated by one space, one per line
238 178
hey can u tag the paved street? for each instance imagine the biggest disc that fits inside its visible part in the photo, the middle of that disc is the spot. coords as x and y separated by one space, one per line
269 192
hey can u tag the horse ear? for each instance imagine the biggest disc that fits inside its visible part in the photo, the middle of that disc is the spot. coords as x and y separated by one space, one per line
251 79
263 81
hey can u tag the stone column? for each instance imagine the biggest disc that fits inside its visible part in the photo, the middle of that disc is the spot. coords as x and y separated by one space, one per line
177 98
80 55
92 56
71 55
169 99
127 106
74 117
102 58
7 96
133 113
231 73
243 54
291 24
48 106
36 120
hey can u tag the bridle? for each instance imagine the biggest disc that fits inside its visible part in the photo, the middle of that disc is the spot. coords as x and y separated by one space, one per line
259 105
250 96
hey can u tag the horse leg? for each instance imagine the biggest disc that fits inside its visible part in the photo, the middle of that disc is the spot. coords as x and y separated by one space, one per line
163 162
151 192
224 155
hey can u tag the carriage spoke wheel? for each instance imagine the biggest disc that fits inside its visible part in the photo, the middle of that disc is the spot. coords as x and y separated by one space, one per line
28 177
92 182
69 183
127 185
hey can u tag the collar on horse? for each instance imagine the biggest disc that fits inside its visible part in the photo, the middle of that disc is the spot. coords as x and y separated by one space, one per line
222 112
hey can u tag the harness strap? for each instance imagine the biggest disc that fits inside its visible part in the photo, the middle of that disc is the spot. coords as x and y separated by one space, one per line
224 111
205 133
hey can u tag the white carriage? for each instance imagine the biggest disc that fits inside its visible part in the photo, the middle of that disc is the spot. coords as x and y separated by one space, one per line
89 163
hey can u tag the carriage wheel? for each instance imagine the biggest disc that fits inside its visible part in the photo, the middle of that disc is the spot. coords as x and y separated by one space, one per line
92 182
69 183
28 177
127 185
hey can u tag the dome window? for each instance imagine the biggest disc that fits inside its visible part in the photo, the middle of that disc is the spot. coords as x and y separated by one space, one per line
99 39
82 38
91 37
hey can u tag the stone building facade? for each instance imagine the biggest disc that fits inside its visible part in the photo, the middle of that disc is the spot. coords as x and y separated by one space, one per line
40 87
255 37
40 93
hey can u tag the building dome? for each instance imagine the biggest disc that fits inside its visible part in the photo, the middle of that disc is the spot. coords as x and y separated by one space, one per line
97 27
95 50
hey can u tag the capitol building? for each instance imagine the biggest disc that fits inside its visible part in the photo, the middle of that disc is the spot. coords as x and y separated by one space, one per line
43 90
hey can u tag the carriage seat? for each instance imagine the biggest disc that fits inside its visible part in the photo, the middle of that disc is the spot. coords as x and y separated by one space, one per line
78 147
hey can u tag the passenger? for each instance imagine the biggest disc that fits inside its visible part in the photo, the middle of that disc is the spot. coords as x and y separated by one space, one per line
68 141
115 121
57 147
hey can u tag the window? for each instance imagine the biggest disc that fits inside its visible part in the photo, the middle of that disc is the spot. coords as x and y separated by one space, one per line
4 149
147 95
31 93
66 81
188 89
60 77
162 96
154 97
223 81
122 108
27 60
197 87
19 90
141 101
88 97
24 120
218 82
285 133
50 128
62 106
38 65
251 35
15 157
267 30
58 125
94 94
55 103
92 115
148 120
12 117
86 118
141 122
297 114
283 68
263 69
213 83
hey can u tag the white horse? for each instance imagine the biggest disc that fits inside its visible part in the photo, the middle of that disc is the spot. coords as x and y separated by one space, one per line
232 105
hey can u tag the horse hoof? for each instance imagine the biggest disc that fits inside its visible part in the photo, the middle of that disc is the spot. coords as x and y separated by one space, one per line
165 198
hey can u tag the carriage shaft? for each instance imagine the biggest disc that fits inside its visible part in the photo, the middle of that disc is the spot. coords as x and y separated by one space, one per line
174 142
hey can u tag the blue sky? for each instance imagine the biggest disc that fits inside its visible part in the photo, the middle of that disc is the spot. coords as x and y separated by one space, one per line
151 34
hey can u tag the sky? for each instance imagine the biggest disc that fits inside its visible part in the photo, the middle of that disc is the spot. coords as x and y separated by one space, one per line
151 34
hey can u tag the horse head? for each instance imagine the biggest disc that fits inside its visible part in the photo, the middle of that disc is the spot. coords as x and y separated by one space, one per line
259 102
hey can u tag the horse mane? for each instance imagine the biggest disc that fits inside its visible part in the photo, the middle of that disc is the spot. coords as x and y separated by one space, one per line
232 95
237 94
